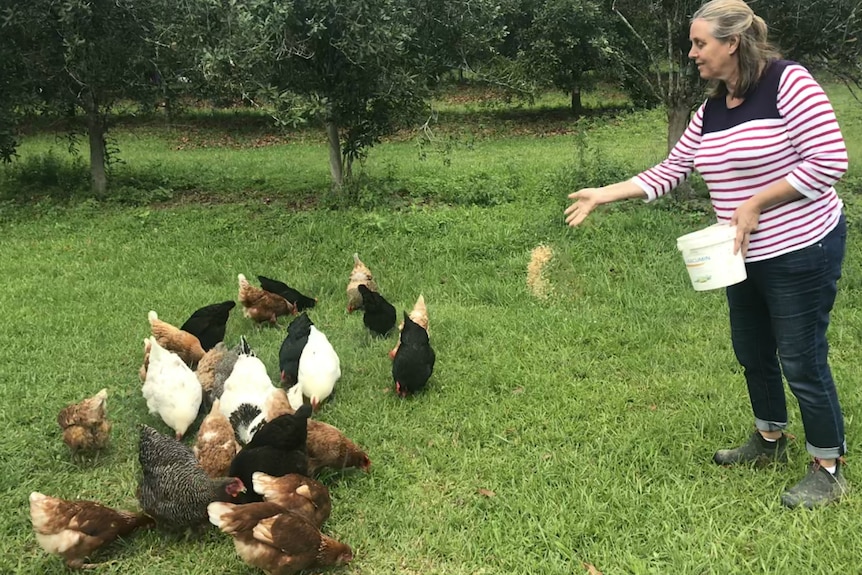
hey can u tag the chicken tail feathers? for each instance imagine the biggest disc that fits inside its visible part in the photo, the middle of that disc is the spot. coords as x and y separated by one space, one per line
217 511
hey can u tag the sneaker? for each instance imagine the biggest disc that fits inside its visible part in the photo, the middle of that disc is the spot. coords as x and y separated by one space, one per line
817 488
755 450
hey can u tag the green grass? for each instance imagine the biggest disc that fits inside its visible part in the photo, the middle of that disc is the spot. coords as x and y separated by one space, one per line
555 432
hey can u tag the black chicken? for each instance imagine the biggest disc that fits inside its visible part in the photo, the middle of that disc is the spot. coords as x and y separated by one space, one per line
174 489
277 448
414 360
291 348
208 323
293 296
379 314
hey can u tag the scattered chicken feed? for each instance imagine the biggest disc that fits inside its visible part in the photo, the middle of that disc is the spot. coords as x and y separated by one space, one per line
536 281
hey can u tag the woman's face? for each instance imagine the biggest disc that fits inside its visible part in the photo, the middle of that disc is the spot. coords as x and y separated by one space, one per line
715 59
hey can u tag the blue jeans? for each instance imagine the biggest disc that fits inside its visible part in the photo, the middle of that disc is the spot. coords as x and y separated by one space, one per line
778 321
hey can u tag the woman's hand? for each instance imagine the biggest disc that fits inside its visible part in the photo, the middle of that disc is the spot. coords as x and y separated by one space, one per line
745 218
585 200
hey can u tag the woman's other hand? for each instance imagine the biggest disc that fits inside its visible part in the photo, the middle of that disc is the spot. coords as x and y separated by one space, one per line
745 218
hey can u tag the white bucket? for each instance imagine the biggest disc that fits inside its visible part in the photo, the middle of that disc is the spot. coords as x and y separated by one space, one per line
709 258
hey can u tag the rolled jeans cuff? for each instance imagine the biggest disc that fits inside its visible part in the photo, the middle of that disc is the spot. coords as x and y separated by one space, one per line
826 452
763 425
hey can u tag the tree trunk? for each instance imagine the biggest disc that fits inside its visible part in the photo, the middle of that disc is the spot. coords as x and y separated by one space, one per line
96 131
577 105
678 116
336 166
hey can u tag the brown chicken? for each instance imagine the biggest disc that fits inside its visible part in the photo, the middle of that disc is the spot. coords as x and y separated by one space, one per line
172 338
277 404
261 305
294 492
419 314
215 445
329 447
142 372
85 425
279 542
75 529
359 275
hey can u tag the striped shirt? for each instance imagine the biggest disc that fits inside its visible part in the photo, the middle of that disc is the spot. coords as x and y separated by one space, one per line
785 128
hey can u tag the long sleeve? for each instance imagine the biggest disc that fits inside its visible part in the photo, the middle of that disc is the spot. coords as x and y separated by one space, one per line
813 132
667 175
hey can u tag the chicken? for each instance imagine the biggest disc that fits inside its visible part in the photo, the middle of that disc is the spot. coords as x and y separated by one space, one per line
419 314
85 425
206 371
278 542
171 389
359 275
209 322
174 489
76 529
379 315
246 392
293 296
294 492
277 449
278 404
182 343
291 348
225 366
215 445
414 361
261 305
327 446
142 372
319 368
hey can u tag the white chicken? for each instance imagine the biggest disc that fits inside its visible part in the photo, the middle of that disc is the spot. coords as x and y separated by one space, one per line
319 368
244 399
172 389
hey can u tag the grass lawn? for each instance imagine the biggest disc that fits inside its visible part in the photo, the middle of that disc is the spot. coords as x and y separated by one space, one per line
557 432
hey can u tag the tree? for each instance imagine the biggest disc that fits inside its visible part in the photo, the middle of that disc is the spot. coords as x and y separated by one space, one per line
565 41
86 55
654 55
824 35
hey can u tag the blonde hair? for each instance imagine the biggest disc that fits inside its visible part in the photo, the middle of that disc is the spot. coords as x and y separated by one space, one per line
731 18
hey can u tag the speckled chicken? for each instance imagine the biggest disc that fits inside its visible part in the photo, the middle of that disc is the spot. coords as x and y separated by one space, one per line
75 529
260 305
414 361
215 445
358 276
174 489
278 542
182 343
85 425
208 323
419 315
293 296
294 492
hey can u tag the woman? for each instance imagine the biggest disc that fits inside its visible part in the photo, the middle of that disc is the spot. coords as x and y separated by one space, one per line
769 148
